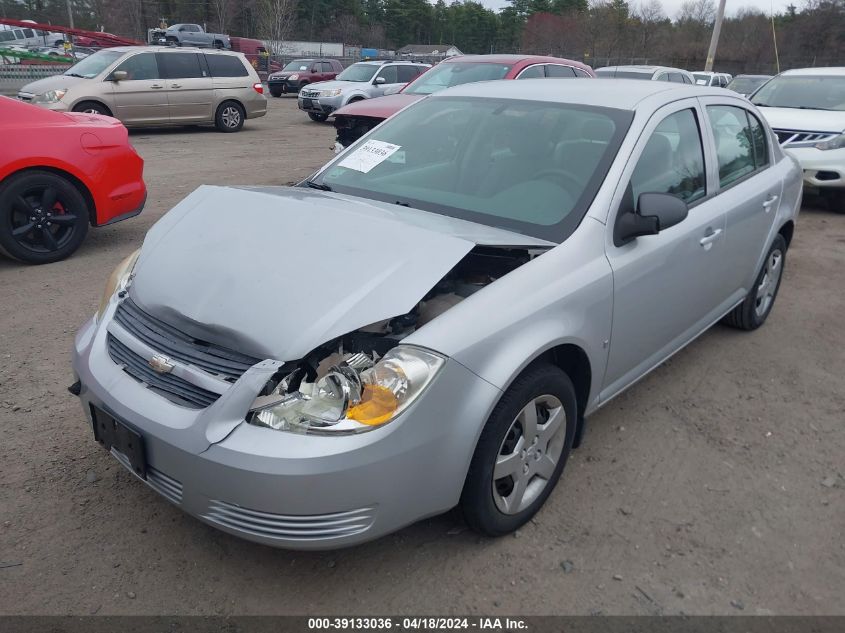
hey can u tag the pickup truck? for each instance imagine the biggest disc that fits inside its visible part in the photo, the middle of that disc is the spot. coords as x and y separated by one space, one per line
194 35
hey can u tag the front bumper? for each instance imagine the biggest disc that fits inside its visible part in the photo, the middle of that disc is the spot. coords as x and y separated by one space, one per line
284 489
822 168
320 105
283 85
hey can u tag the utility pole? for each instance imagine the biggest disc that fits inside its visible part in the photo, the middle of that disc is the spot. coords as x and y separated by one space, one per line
69 14
714 39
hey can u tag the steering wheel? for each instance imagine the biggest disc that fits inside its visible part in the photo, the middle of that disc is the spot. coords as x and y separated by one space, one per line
572 184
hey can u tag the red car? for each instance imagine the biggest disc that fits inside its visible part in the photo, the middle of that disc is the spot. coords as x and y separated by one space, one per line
356 119
60 172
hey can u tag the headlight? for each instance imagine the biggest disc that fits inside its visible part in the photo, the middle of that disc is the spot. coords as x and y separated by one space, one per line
293 77
330 93
837 142
118 280
51 96
347 401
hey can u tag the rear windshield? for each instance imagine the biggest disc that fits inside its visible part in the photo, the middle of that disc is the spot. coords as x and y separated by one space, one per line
810 92
94 64
455 74
700 79
623 74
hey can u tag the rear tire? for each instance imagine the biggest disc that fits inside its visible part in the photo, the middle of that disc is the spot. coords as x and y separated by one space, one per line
43 217
835 199
229 117
758 303
92 107
319 118
520 456
275 92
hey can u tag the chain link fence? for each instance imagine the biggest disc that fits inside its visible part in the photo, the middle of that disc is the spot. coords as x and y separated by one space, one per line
13 77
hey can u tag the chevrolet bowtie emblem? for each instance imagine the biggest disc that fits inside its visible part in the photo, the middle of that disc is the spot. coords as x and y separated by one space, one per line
161 364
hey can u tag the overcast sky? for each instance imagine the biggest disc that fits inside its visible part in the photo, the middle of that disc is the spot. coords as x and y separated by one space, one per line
671 7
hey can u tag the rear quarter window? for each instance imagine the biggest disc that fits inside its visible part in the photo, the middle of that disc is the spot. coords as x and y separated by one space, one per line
226 66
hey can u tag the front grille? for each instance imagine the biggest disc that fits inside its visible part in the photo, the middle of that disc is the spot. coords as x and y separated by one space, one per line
286 526
796 138
164 485
310 94
171 387
225 363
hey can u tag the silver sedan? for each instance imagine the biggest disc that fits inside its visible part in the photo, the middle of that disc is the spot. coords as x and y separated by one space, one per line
430 318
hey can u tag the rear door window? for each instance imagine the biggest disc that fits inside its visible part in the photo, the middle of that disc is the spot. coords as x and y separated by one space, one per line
179 65
140 67
408 73
581 73
532 72
556 70
734 143
225 66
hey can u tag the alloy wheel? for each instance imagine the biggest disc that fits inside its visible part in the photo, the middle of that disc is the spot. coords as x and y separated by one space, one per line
41 221
769 283
529 454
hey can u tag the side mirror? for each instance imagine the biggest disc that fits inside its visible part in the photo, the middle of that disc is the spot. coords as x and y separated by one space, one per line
655 212
380 80
119 75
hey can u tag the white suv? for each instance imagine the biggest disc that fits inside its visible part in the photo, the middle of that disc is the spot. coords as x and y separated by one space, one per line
806 109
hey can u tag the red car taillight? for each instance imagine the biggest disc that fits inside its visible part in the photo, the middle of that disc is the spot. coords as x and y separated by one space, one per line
259 88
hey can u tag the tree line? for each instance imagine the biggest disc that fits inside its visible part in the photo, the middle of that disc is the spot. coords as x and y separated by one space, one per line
599 32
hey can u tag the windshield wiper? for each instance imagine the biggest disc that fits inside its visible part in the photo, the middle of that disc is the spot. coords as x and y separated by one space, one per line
317 185
74 75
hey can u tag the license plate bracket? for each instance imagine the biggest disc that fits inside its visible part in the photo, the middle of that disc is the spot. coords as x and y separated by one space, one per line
112 433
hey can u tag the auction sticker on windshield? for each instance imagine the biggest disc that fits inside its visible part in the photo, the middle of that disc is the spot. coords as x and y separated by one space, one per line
369 155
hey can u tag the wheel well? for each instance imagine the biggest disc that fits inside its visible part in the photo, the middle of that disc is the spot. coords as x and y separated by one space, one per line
354 99
235 101
76 182
786 231
99 103
574 362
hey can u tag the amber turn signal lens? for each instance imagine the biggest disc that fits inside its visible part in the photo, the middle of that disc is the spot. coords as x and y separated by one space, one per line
377 406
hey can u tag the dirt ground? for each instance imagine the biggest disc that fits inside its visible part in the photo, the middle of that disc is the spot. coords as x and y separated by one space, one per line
714 486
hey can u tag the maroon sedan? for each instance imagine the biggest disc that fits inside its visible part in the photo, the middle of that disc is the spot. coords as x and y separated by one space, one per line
358 118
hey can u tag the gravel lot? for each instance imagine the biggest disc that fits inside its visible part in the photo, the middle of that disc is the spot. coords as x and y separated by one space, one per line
714 486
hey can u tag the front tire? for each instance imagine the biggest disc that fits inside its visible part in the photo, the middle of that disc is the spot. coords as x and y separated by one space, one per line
229 117
318 118
521 452
92 107
43 217
758 303
275 92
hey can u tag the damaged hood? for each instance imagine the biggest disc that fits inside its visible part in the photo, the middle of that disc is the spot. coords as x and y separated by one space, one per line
274 272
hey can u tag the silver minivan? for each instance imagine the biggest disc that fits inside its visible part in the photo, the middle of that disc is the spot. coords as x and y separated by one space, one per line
146 85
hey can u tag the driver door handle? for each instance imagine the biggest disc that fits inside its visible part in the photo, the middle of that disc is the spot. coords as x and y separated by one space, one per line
710 237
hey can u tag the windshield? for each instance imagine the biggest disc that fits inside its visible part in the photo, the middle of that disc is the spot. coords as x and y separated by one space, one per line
812 92
358 72
298 64
455 74
623 74
94 64
746 85
531 167
701 79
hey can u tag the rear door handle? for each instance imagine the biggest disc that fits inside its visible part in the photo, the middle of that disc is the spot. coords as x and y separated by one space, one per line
156 86
710 237
175 85
769 202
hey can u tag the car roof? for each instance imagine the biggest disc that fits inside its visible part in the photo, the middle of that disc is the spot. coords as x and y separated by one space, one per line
832 70
641 69
590 92
169 49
